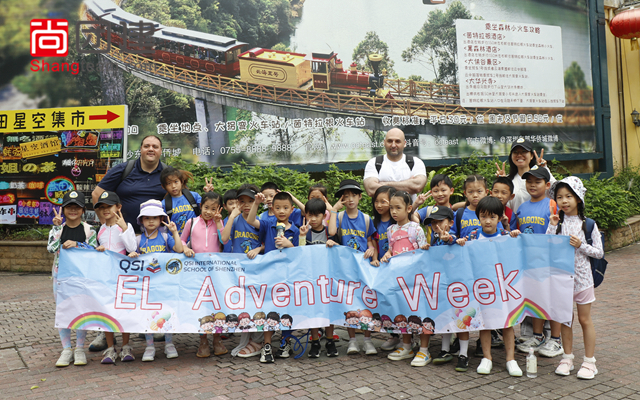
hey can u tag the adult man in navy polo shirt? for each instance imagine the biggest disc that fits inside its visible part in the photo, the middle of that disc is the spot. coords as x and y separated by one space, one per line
142 184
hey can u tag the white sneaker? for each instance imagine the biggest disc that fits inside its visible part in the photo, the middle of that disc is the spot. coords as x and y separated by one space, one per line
402 353
551 348
99 343
65 358
421 359
369 348
587 370
391 343
513 368
566 365
149 353
533 343
79 356
170 350
353 347
485 367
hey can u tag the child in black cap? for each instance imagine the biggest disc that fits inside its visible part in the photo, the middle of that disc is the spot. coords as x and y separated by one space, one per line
72 233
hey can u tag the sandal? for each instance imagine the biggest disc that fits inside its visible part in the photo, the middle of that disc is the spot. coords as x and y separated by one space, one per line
203 350
219 349
250 350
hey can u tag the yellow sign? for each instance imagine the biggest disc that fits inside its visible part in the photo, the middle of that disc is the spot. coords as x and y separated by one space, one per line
40 148
63 119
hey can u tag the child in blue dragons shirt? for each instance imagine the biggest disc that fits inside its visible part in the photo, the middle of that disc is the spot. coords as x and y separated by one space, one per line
174 181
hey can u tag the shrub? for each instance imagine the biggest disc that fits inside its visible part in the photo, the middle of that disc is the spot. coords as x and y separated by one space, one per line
606 202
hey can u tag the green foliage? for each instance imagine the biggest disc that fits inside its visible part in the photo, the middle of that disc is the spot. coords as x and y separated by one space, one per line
606 202
31 232
628 178
574 77
371 44
435 45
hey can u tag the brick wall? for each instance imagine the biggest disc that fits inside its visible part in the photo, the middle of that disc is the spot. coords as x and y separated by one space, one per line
25 256
623 236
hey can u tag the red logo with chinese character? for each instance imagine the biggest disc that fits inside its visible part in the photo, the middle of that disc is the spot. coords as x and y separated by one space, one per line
49 37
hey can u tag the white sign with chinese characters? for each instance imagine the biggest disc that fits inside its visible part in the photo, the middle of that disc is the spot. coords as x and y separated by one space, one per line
503 64
7 214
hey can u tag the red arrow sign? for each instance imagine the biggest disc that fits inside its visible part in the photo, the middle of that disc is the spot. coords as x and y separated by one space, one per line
109 116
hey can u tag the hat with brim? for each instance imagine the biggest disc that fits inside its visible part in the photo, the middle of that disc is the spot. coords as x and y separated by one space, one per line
573 182
73 197
538 172
152 208
438 214
348 184
524 143
108 198
246 192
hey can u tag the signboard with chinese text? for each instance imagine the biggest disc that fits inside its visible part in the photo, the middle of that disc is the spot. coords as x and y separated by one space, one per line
40 165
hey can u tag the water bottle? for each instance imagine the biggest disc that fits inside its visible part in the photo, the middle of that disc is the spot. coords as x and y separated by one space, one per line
280 228
532 365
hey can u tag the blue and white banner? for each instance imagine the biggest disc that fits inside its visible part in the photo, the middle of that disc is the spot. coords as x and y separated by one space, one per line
483 285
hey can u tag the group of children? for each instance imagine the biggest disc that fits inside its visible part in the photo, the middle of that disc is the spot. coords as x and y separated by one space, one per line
396 227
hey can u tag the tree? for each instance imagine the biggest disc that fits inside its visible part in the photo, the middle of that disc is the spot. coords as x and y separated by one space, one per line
372 45
14 35
155 10
435 44
574 77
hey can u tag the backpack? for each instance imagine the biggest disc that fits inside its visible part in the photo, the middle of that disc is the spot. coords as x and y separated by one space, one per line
598 265
168 203
411 235
338 235
380 159
459 213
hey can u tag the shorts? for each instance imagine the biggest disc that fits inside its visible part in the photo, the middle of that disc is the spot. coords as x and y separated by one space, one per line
587 296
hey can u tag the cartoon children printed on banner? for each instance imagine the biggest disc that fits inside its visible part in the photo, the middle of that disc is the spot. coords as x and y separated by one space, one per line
366 320
219 323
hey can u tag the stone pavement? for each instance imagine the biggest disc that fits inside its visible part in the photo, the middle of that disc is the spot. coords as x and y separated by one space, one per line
29 347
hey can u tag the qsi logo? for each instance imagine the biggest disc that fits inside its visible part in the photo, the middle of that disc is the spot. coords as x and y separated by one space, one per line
49 37
136 265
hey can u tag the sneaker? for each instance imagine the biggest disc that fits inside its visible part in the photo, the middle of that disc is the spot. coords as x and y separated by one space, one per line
149 353
109 356
170 350
79 356
513 368
566 365
454 348
401 353
369 348
266 355
443 358
421 359
391 344
478 352
100 342
496 339
285 350
330 347
533 343
463 364
485 366
587 370
551 348
353 347
522 339
65 358
314 352
126 354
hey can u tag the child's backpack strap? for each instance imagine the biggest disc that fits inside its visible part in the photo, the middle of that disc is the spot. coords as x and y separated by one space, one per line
598 265
367 222
587 234
168 203
459 213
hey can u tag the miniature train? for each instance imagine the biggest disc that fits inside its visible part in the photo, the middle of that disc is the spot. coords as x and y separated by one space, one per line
219 55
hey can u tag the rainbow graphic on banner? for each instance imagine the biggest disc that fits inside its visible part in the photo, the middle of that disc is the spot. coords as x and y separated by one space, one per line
96 321
526 308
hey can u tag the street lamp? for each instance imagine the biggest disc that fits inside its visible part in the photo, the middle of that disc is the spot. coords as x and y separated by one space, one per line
635 115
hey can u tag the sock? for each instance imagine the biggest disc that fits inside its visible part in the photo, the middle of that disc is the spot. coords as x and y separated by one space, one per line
80 337
167 338
538 336
424 350
352 339
65 337
367 338
464 347
590 359
569 356
446 342
557 339
149 338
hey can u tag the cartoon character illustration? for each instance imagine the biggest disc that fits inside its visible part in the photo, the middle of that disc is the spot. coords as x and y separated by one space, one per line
258 320
173 267
376 323
231 323
428 326
351 319
385 247
365 319
415 324
400 322
387 324
244 323
246 246
218 323
273 320
286 322
154 262
353 243
206 324
528 229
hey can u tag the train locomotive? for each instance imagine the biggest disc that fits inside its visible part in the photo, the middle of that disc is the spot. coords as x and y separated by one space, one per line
219 55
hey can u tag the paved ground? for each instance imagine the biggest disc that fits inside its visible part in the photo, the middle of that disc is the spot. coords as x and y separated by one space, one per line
29 347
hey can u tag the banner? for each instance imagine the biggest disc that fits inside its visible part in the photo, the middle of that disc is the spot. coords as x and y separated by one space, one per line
483 285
